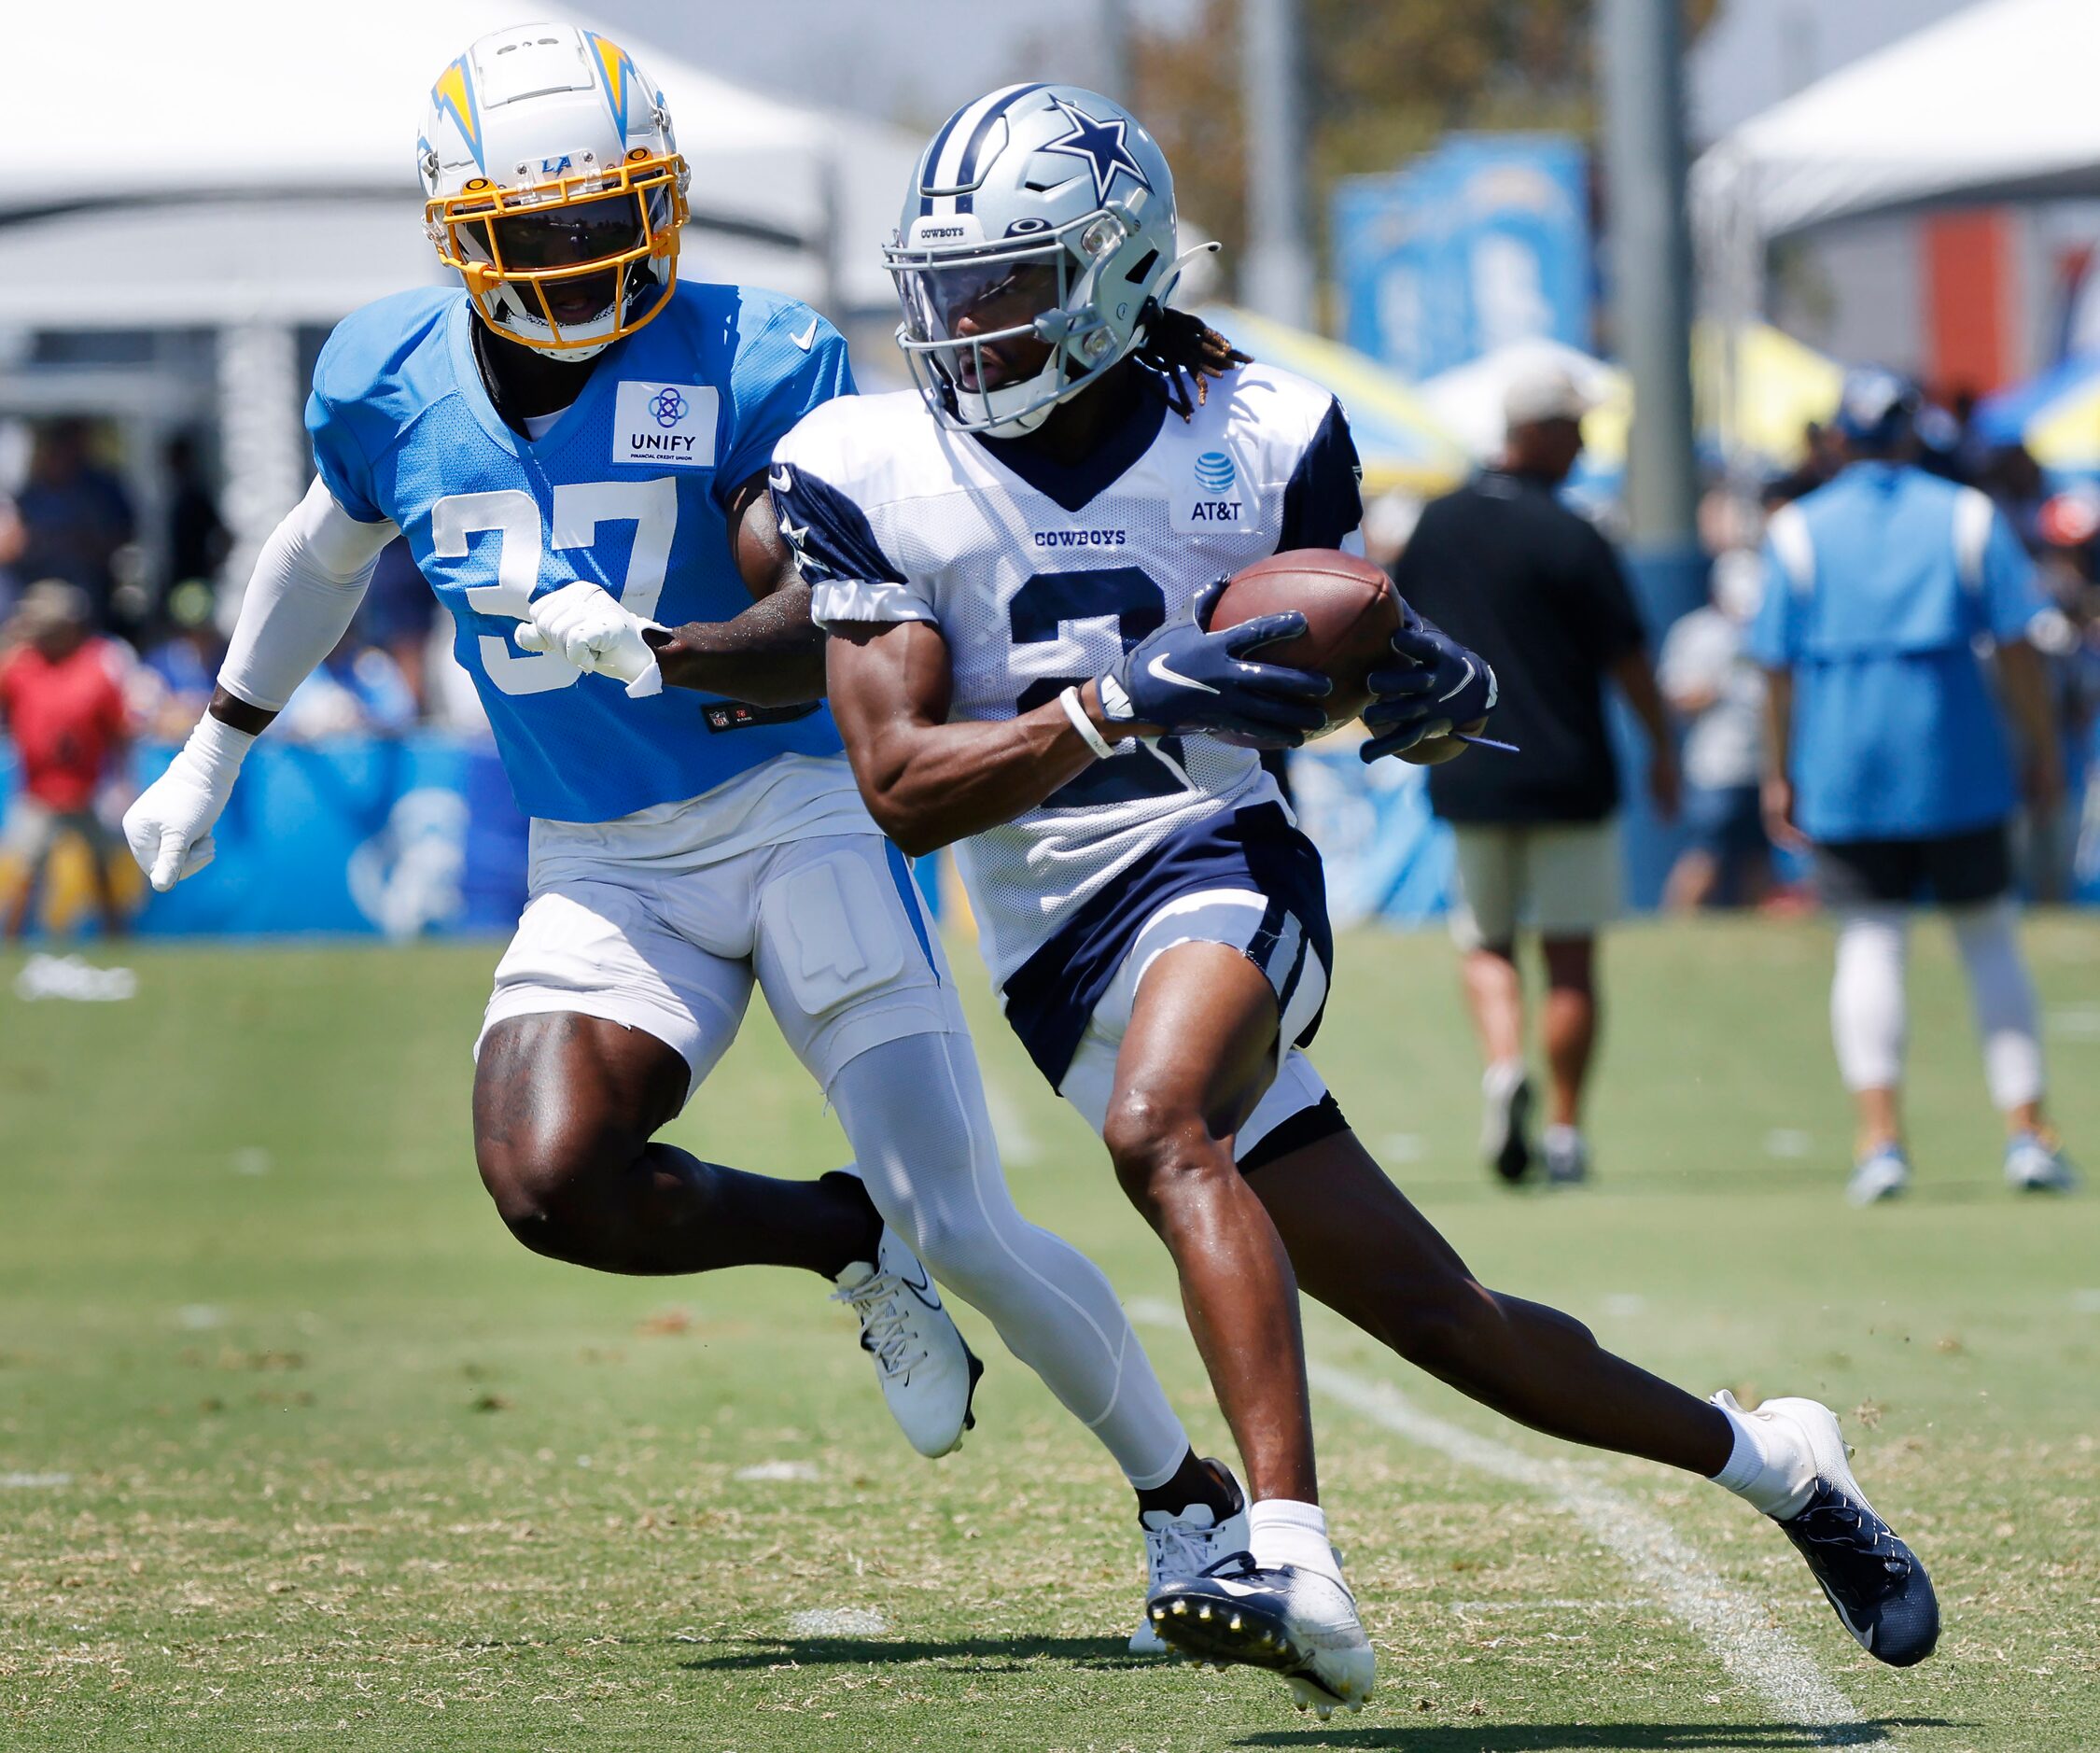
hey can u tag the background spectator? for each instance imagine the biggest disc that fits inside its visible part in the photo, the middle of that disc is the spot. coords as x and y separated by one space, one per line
1508 571
180 671
399 614
14 538
75 514
61 704
1886 752
2067 634
1710 680
197 539
359 691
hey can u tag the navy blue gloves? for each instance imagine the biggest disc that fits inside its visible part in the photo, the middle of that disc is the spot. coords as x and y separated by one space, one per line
1185 677
1437 686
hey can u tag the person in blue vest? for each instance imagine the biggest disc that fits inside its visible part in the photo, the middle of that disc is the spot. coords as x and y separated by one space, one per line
575 444
1888 755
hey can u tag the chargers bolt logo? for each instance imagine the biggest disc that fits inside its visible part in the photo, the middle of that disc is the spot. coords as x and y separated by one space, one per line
1215 473
669 408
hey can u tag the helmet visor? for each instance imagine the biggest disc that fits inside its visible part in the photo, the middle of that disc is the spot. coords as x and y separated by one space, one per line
572 236
972 300
985 320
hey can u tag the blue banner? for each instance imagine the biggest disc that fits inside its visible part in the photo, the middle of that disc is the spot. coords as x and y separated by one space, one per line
398 837
1481 243
419 836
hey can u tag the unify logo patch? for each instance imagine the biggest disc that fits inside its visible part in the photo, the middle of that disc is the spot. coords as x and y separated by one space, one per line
666 422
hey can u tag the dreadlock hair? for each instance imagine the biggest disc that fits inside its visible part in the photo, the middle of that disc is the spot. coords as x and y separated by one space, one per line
1188 353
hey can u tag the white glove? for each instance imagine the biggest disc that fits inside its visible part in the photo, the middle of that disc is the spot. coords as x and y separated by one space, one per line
170 825
588 626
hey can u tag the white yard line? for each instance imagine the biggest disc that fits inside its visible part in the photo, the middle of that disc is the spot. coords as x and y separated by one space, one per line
852 1622
1729 1623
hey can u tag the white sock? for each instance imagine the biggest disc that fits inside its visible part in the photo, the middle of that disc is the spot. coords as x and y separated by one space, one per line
1559 1137
1282 1531
1769 1468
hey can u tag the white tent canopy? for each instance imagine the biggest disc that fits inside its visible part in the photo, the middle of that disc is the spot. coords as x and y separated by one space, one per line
220 127
1995 103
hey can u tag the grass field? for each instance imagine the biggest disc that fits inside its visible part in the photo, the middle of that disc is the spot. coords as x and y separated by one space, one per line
299 1449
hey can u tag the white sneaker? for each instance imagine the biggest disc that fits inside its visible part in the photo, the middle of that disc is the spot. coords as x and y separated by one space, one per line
1881 1176
928 1374
1567 1156
1187 1544
2034 1163
1505 1116
1297 1622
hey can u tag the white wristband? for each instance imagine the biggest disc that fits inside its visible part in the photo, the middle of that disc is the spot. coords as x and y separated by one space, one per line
218 748
1093 738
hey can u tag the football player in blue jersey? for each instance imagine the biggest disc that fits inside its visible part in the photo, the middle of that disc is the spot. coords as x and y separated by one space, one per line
1016 566
574 444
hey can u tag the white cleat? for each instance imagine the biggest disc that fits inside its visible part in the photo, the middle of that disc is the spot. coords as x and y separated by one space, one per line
1185 1545
2034 1163
1295 1621
928 1375
1882 1175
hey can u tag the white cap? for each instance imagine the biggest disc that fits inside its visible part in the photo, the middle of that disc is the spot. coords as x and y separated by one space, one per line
1545 391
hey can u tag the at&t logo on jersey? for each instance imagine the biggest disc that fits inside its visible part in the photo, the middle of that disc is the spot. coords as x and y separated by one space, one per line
1215 475
666 422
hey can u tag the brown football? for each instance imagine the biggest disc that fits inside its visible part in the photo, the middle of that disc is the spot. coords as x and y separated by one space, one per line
1350 613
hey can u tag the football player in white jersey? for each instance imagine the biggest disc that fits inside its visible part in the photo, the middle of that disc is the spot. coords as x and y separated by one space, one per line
567 428
1016 564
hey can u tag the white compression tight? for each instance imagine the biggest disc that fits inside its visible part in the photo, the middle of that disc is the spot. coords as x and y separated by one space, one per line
1867 1005
914 1111
2003 998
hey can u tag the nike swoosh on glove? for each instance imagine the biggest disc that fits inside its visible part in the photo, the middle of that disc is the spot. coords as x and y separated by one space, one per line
587 625
1437 686
1185 677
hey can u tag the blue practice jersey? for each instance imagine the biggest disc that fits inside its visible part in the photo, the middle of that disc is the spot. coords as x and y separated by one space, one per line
1877 587
626 490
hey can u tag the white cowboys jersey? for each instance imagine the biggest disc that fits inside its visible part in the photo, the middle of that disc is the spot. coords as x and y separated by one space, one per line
1039 577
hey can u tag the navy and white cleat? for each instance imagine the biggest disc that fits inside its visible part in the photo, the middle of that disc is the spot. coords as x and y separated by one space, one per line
929 1376
1293 1621
1875 1583
1187 1544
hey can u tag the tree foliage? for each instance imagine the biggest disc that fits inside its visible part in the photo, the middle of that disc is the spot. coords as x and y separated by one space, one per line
1384 80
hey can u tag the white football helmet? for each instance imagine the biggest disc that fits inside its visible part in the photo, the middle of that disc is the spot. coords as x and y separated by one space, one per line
553 186
1040 214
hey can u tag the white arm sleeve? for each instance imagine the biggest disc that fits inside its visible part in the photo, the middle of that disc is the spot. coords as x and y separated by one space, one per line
307 583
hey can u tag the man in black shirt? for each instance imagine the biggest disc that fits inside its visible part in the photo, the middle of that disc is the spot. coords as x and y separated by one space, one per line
1506 568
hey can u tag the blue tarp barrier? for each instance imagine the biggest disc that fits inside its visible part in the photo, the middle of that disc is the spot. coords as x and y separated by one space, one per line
419 835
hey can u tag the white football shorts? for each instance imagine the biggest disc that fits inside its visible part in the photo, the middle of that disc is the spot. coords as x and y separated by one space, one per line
1234 918
831 928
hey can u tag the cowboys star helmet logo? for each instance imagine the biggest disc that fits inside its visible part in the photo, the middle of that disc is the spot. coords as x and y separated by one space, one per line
1101 144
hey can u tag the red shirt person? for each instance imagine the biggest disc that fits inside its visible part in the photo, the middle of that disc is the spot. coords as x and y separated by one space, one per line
64 710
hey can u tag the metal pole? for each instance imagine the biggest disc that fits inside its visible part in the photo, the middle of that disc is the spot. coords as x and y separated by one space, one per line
1117 78
262 441
1277 280
1643 61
